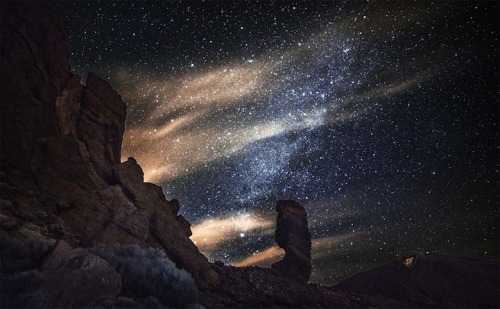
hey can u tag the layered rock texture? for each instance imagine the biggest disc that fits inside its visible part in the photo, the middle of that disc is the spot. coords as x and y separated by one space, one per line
292 234
61 176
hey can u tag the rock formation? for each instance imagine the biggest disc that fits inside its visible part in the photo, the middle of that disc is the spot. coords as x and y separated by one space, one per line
429 281
292 234
256 287
76 277
62 182
60 172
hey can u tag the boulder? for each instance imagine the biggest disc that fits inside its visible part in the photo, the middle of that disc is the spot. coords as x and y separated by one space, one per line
75 277
292 234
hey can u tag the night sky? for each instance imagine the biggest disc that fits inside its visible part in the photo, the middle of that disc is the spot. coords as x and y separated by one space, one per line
380 118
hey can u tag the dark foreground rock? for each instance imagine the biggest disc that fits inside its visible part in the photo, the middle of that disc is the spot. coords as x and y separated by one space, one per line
61 180
292 234
75 277
429 281
60 151
256 287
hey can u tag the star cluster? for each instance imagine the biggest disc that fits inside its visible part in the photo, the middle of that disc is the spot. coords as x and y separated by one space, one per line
381 118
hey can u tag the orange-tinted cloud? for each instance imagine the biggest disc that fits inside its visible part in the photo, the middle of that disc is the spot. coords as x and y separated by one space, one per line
321 247
211 233
176 131
262 258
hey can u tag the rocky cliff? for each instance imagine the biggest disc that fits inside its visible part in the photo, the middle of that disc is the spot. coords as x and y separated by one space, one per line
79 228
61 176
67 201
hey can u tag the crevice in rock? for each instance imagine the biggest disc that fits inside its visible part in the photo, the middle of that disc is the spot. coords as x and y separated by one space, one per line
32 52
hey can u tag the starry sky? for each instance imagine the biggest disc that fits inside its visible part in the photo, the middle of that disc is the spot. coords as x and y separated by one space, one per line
380 118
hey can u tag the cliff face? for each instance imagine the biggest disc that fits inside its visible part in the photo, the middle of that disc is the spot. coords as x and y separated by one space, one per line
61 176
32 79
61 179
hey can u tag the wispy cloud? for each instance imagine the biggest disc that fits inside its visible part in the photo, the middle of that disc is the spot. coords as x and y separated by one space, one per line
265 257
180 123
209 234
321 247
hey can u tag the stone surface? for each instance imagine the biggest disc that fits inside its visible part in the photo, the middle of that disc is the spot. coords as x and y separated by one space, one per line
255 287
292 234
62 169
61 150
183 253
75 277
61 178
427 280
101 124
31 79
68 105
131 177
184 225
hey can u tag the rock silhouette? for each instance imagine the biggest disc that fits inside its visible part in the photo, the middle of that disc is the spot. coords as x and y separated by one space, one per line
292 234
62 183
429 280
61 176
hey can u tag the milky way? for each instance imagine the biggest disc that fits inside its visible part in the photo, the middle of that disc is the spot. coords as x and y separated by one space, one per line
380 118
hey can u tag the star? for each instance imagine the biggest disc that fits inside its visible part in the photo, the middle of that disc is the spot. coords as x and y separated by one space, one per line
380 118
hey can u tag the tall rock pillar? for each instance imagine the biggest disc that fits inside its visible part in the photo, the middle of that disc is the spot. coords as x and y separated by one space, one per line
292 234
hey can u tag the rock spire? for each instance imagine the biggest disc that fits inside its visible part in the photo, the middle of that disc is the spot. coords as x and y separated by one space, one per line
292 234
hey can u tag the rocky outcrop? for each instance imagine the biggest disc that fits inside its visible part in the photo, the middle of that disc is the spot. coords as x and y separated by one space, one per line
32 78
429 281
61 179
90 121
168 229
256 287
101 124
75 277
292 234
61 148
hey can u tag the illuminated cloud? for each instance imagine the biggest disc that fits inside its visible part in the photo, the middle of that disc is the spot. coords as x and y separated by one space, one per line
262 258
326 246
209 234
166 146
321 247
179 124
357 110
